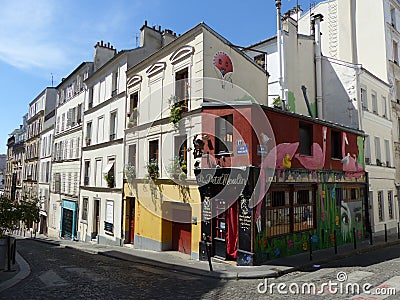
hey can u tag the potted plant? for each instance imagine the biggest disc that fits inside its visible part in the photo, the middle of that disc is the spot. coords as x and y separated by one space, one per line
109 178
177 107
178 169
277 102
152 169
130 172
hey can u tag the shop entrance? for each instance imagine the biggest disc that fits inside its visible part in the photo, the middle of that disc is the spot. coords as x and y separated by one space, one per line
131 220
225 229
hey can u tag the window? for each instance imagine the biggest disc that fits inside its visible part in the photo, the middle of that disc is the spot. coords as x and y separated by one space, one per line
98 175
387 150
261 60
224 134
108 224
90 99
85 208
113 125
88 133
78 147
380 206
384 108
395 53
132 155
374 103
390 204
71 148
114 84
336 144
79 114
109 173
290 210
57 183
87 173
180 167
367 154
393 16
182 86
378 151
133 113
100 129
305 138
153 150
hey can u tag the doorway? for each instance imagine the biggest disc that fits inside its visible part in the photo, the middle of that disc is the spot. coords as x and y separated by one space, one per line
182 229
131 220
96 219
219 230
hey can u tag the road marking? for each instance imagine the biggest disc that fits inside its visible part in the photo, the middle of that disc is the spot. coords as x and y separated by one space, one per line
392 283
50 279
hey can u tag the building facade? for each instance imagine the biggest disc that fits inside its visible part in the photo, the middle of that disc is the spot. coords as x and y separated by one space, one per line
38 108
66 156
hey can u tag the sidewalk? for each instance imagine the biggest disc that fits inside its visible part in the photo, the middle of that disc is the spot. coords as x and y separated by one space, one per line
176 261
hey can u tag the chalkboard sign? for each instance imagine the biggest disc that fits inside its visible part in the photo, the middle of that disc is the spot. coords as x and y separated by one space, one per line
108 226
244 225
206 216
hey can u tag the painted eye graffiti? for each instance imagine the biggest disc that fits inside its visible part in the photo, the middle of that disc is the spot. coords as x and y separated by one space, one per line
345 219
357 218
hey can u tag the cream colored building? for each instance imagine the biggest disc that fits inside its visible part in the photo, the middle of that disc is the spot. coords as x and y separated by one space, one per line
163 213
356 64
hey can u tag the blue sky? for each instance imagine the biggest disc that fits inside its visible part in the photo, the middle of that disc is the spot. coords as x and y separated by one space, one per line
45 38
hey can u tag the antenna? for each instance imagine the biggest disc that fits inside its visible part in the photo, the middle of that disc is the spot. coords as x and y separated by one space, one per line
52 80
137 40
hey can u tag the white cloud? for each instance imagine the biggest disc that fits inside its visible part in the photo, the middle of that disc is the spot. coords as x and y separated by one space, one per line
25 35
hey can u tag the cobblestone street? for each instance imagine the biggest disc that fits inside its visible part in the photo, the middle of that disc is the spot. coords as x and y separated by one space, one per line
62 273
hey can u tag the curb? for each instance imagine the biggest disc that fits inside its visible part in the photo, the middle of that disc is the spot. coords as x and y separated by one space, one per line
24 271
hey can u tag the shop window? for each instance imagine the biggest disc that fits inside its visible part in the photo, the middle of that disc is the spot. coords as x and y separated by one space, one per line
390 204
305 138
278 213
109 222
224 134
336 144
182 87
380 206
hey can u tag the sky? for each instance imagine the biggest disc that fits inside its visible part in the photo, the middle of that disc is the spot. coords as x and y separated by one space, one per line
43 41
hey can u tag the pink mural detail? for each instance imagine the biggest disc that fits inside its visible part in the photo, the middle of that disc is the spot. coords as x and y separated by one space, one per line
317 160
223 63
350 163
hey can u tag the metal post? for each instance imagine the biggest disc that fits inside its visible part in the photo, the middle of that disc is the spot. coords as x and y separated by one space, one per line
15 250
370 238
310 242
334 236
8 253
207 244
354 238
385 233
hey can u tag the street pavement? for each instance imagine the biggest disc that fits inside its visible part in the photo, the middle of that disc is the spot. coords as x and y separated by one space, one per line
64 269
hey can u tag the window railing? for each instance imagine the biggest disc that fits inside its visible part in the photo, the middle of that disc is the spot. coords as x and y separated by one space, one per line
86 180
113 136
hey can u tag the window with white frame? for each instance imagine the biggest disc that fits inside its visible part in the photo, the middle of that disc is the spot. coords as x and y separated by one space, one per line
367 153
374 102
113 125
88 138
85 202
364 98
114 91
393 16
384 108
387 150
98 171
378 151
100 129
395 53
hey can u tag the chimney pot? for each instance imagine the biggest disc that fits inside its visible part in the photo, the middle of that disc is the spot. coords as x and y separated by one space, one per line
145 22
159 27
101 43
108 45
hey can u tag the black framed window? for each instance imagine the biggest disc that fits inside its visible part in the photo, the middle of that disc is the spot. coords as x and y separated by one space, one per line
224 134
336 145
305 138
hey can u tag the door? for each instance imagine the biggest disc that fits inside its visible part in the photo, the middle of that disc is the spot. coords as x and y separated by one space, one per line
131 220
67 219
96 218
182 231
220 227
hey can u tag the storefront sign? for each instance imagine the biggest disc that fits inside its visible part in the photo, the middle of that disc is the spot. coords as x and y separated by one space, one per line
223 179
262 150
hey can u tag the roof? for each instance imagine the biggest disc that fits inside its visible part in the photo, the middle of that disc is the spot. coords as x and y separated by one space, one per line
72 73
143 63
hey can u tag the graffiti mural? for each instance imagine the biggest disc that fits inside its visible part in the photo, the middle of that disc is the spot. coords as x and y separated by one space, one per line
223 66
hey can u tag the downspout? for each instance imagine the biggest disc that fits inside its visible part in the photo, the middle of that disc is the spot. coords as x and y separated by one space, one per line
318 64
279 46
358 91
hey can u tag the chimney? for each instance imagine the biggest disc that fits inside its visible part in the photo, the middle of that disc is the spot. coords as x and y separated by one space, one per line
168 36
316 25
103 53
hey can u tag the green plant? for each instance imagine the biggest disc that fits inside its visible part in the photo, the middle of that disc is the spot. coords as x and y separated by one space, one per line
109 177
152 169
277 102
177 107
178 169
130 172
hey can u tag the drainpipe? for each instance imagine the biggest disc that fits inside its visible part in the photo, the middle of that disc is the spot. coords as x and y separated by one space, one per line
318 64
278 5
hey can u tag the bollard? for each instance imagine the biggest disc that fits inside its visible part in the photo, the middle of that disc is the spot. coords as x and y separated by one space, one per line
323 236
398 231
370 238
385 234
208 250
354 238
8 253
334 236
310 241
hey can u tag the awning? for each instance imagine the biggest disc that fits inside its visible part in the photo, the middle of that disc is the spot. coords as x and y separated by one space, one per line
108 168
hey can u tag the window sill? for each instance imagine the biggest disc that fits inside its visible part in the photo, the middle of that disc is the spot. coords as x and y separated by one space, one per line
109 233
